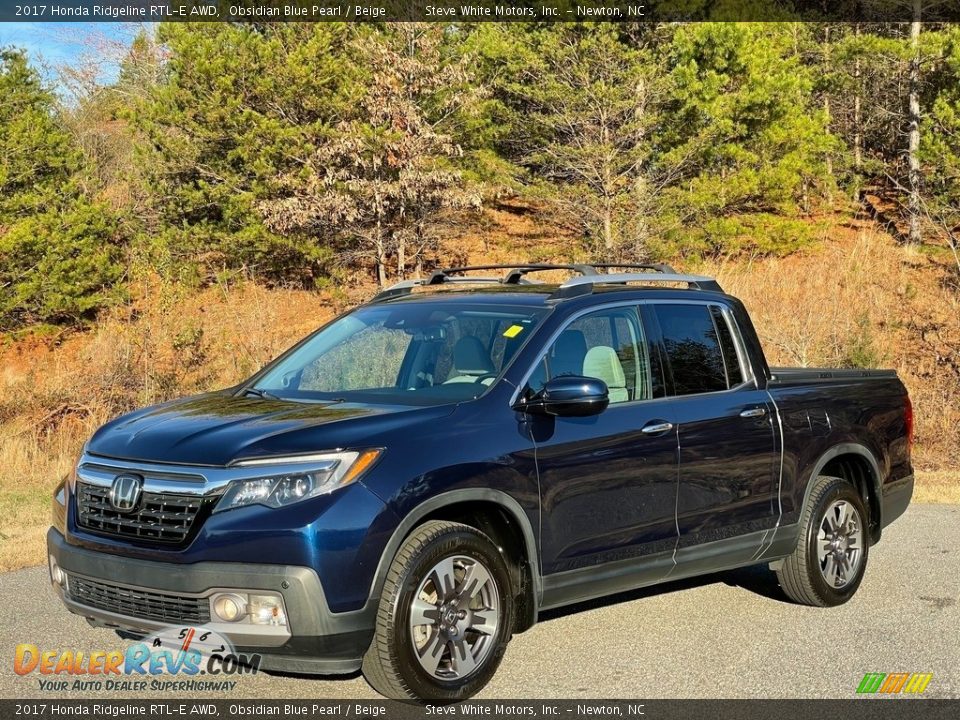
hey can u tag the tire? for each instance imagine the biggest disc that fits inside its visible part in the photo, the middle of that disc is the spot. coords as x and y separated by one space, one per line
467 620
828 564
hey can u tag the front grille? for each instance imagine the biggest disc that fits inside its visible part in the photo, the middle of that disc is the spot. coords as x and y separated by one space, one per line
142 604
162 517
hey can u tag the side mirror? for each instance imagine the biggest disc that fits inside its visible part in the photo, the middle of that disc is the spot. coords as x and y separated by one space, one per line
568 396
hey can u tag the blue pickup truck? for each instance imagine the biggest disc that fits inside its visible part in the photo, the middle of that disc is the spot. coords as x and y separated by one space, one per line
413 483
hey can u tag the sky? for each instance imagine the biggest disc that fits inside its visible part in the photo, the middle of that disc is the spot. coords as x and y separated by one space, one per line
52 45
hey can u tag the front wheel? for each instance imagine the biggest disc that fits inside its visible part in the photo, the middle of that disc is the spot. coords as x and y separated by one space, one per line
445 616
831 556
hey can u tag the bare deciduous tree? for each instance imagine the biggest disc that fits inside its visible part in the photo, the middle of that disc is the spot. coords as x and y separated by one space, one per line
385 174
594 103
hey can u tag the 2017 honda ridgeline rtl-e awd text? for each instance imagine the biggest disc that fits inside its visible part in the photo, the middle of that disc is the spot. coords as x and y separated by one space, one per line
410 485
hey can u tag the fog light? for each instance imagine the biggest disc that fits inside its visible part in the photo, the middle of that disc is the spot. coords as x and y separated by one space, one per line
228 607
57 575
267 610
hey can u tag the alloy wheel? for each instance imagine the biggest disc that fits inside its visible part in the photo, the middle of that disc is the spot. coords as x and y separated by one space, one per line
454 617
840 543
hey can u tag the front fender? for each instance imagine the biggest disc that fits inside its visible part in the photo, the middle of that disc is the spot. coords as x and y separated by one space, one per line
416 515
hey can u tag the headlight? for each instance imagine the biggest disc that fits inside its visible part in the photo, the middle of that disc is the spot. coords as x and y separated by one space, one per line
326 473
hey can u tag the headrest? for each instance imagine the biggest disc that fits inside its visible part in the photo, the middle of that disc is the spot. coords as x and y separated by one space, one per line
568 353
470 357
602 362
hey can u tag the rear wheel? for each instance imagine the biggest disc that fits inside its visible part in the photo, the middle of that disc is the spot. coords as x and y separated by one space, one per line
444 618
831 556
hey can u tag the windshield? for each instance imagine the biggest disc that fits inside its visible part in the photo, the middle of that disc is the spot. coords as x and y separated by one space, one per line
411 353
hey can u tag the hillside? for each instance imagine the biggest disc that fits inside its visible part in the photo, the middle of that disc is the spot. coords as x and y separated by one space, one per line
855 297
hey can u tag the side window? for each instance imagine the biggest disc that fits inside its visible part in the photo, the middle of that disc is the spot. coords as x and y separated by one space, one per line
608 345
731 362
692 347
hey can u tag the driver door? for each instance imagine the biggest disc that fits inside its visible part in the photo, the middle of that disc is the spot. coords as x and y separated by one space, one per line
608 483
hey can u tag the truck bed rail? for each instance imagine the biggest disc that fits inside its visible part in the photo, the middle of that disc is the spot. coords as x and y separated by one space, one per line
783 375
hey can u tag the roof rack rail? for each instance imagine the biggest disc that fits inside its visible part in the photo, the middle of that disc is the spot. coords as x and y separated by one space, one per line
516 271
577 286
658 267
516 276
582 284
404 287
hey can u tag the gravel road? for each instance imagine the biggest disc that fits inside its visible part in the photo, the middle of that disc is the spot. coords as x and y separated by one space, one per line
730 635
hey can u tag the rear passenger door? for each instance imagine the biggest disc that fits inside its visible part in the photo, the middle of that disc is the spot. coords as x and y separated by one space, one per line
728 486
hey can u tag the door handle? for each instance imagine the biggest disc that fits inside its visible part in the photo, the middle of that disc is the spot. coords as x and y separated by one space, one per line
655 427
754 412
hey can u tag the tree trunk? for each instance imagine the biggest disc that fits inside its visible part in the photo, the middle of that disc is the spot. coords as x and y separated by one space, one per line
857 112
607 201
608 229
826 110
381 255
401 258
857 119
913 162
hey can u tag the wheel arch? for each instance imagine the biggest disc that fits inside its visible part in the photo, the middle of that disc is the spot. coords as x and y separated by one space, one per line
464 503
856 464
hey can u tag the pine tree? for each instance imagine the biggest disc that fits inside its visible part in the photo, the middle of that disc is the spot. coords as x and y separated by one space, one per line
753 143
236 107
582 103
37 159
940 152
60 255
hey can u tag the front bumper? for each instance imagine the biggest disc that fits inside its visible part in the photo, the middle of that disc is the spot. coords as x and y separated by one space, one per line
315 639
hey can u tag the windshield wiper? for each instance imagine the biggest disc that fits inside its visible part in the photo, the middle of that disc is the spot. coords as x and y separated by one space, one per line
261 393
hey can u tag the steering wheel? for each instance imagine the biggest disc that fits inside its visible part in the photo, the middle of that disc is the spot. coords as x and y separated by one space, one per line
485 376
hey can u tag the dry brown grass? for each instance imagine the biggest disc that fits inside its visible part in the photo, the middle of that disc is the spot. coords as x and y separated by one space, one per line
937 487
53 395
857 297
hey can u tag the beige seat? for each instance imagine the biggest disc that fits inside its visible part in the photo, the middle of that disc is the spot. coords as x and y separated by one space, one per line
602 363
471 362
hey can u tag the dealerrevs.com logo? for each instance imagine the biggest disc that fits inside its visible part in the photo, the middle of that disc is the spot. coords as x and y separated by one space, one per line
894 683
181 653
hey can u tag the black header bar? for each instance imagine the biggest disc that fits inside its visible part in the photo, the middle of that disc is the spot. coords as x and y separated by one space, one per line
478 10
889 708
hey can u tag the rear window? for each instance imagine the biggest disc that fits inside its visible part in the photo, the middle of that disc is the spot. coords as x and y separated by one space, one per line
731 362
694 349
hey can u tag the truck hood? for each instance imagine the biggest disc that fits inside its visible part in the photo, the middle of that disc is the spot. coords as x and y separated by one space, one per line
219 428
